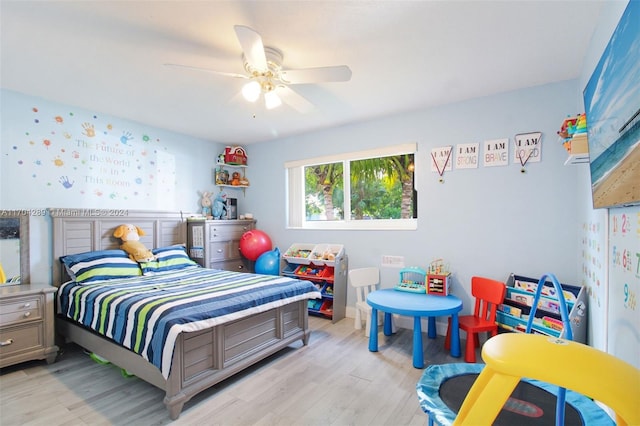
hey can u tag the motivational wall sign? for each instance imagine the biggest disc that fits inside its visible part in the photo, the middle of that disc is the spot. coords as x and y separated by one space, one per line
528 148
441 160
467 155
496 152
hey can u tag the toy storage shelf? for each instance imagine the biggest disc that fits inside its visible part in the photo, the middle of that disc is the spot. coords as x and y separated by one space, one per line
226 166
329 276
514 312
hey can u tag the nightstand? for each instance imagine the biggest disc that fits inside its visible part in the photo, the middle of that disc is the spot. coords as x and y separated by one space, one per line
26 323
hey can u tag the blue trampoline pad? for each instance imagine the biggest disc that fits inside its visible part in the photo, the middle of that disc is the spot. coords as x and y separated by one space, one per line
442 389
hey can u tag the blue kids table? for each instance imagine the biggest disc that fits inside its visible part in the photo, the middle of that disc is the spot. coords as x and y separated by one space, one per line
415 305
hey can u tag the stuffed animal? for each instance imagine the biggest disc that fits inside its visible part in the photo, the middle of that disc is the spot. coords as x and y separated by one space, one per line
205 202
130 236
220 206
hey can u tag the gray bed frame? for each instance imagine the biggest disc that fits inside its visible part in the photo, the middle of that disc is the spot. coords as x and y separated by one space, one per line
201 359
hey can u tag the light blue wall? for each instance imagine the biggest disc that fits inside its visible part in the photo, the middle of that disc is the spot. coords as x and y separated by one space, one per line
489 221
45 144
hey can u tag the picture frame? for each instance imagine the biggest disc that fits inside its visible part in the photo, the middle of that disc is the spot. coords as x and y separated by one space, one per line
613 116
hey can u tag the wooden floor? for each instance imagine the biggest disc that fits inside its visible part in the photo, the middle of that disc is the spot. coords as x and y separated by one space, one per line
334 380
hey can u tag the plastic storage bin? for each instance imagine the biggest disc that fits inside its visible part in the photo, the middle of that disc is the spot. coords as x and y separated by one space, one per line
326 254
299 253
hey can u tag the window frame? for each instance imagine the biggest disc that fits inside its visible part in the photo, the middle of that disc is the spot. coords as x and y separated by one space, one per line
295 191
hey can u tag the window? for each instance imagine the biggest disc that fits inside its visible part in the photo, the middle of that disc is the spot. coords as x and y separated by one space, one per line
362 190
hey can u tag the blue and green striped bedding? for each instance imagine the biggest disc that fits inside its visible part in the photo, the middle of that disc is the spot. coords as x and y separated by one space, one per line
145 314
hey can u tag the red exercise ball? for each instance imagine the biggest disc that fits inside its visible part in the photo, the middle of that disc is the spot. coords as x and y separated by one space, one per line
253 243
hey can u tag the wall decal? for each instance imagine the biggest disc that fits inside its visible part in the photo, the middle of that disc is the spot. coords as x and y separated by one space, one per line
624 283
81 159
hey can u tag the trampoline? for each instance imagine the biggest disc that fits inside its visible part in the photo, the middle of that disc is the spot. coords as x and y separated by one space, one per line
442 389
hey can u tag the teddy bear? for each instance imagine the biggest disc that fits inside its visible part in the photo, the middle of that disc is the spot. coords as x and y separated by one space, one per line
130 236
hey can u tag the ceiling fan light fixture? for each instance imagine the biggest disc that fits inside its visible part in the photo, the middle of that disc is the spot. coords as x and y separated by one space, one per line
251 91
272 100
264 73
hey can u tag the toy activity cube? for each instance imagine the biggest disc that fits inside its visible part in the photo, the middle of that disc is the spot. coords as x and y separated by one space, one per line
438 284
438 278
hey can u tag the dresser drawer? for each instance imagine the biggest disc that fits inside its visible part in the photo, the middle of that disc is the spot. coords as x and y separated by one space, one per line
226 231
21 338
238 265
218 250
20 309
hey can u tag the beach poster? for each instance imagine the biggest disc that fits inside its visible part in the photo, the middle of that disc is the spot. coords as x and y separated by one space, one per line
612 106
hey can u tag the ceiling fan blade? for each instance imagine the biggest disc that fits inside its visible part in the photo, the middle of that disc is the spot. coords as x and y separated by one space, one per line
227 74
252 47
316 75
294 100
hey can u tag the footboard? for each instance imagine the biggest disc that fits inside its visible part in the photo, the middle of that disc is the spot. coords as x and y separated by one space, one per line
203 358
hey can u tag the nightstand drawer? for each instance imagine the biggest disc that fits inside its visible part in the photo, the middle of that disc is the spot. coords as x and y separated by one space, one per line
17 310
26 323
20 338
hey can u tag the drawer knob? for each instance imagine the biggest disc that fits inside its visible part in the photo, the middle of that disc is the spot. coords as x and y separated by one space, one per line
26 305
27 314
240 267
219 250
6 342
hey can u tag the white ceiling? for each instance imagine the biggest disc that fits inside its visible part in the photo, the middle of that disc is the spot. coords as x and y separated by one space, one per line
108 56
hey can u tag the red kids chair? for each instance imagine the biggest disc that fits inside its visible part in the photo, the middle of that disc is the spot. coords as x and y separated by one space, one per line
489 294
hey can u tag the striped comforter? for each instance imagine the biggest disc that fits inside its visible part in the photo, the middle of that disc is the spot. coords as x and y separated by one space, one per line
146 314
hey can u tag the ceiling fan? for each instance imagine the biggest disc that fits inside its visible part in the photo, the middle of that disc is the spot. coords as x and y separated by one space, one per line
263 66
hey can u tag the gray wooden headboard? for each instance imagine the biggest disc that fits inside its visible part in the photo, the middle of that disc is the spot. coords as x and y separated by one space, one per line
81 230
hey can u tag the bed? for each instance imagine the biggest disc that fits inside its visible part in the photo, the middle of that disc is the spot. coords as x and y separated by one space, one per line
199 354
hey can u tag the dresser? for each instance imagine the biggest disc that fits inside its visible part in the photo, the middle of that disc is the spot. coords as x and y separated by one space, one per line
27 323
216 243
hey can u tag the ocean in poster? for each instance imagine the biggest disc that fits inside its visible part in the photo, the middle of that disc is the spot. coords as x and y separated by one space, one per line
611 158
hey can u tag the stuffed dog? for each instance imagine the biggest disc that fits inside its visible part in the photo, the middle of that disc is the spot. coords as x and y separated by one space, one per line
130 236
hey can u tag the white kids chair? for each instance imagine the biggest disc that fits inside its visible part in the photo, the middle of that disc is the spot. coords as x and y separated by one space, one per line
364 281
